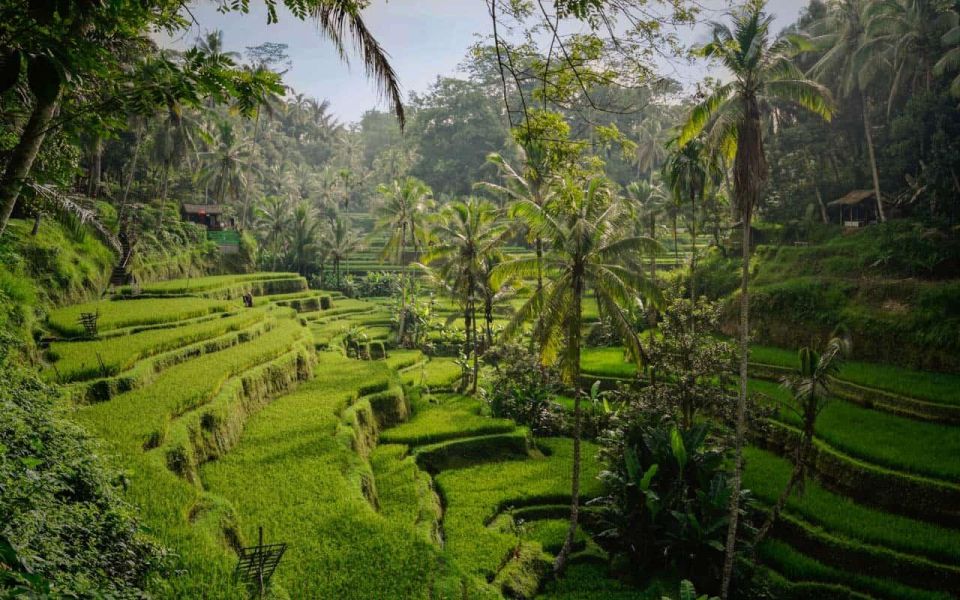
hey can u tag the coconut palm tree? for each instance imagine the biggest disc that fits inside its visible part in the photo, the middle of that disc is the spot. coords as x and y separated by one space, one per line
226 166
401 216
647 201
730 117
467 234
273 217
340 243
688 171
586 250
950 60
908 33
532 185
176 140
810 390
850 64
304 233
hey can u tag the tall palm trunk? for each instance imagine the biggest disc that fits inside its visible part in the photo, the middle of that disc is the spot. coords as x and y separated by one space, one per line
676 245
799 470
741 409
488 316
476 350
871 153
133 166
573 339
652 312
403 286
693 248
96 167
23 154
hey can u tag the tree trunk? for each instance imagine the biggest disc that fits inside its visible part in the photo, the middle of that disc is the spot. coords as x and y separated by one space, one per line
873 159
574 340
693 250
823 207
488 315
539 251
96 168
476 351
676 245
795 477
133 167
36 223
403 287
22 157
652 312
730 552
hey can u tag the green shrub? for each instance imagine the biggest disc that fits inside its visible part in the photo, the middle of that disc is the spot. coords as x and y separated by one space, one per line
62 507
667 494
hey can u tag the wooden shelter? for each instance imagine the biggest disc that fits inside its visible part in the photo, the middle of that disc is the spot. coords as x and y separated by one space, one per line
857 209
210 216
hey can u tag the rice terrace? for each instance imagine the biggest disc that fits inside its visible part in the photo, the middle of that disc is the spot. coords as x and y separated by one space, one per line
554 299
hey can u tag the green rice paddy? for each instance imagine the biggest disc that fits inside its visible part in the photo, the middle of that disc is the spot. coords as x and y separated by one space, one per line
383 491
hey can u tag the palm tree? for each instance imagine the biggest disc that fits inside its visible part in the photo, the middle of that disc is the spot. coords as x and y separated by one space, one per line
647 202
586 250
850 64
175 141
227 165
950 60
401 215
304 231
688 171
909 33
810 388
467 234
494 292
211 44
533 185
763 76
273 217
341 242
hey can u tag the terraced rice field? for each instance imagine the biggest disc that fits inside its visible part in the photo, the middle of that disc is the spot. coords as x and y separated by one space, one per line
882 514
386 483
382 481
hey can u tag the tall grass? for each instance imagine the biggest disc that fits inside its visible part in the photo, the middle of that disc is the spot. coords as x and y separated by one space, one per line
457 416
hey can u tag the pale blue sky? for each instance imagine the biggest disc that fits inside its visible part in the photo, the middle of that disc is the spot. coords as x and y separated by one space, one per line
425 38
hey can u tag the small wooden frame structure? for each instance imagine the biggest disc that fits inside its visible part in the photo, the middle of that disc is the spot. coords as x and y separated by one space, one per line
857 209
256 564
210 216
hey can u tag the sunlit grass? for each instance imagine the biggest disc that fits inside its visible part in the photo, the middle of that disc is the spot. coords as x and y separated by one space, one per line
90 358
455 416
307 490
128 313
474 495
